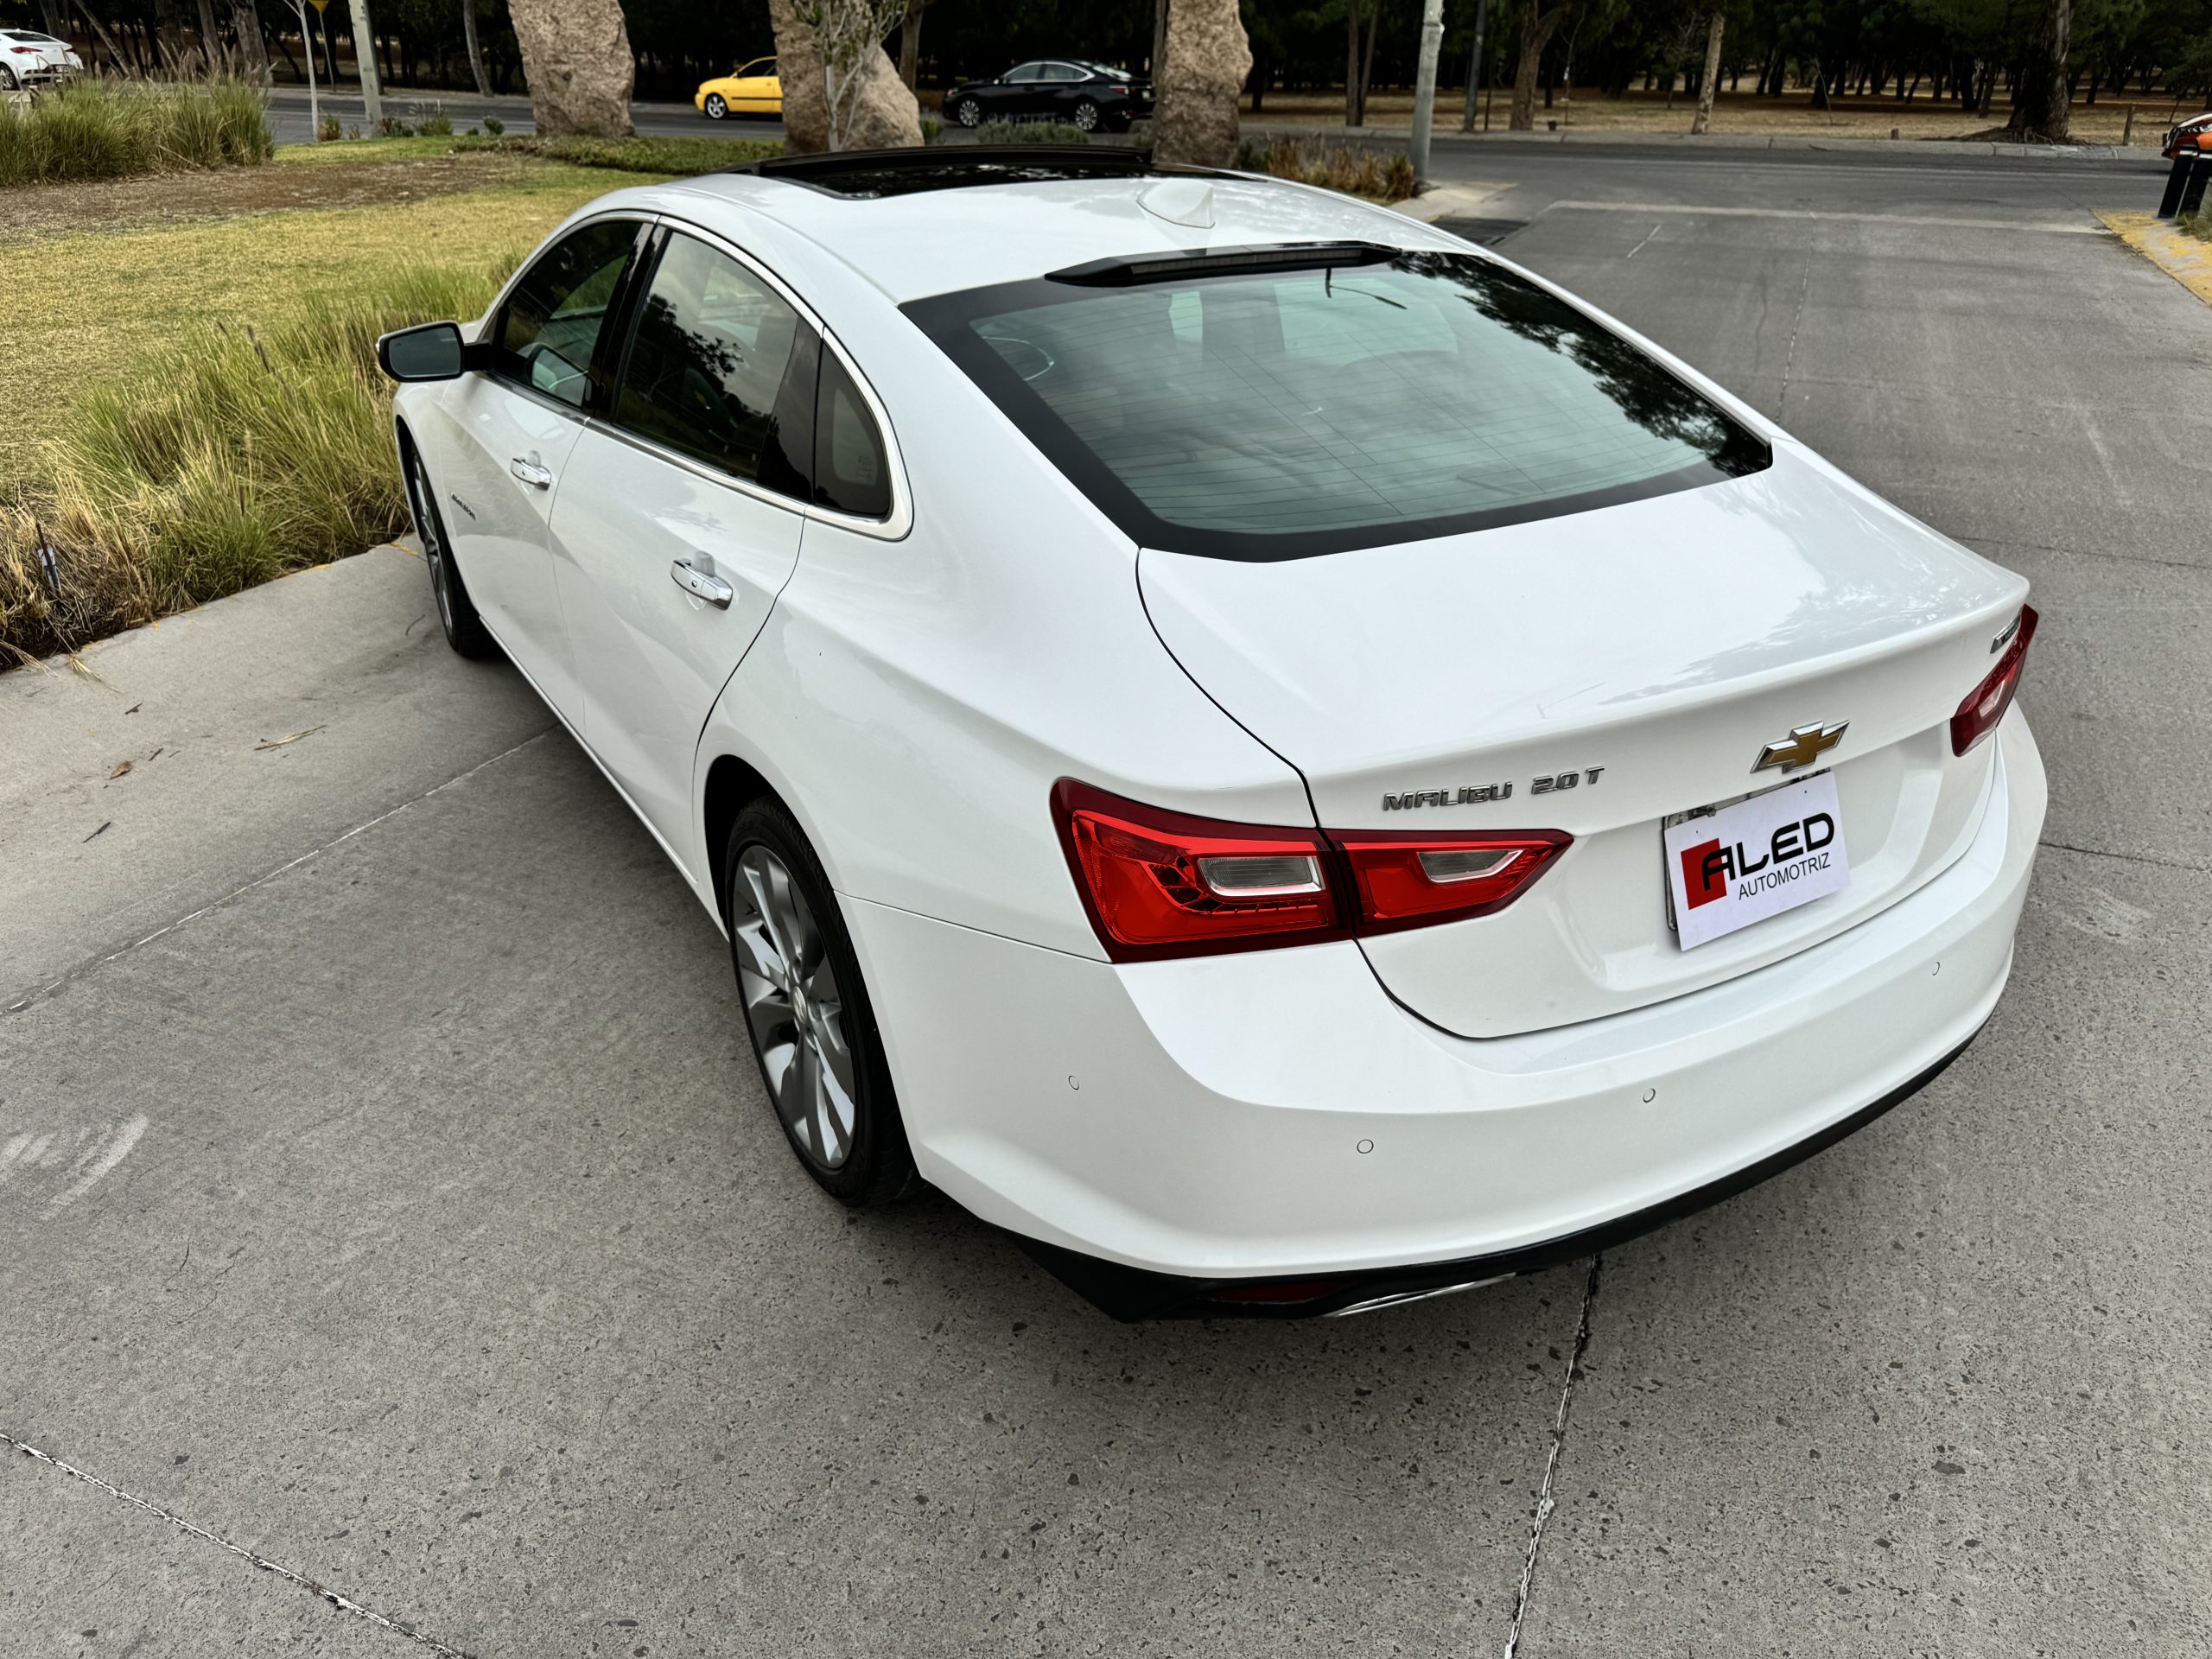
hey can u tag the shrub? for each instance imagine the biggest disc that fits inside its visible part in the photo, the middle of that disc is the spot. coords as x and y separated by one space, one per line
329 132
101 128
1140 133
933 129
1355 171
436 123
1029 132
2197 225
493 125
390 126
238 454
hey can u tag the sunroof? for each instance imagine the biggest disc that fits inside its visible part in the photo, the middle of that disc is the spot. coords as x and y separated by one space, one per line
866 173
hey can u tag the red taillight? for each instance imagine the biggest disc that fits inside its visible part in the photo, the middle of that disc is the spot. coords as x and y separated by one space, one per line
1978 716
1164 884
1409 880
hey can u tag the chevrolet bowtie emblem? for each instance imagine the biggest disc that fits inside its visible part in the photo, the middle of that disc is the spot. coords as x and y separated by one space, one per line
1804 744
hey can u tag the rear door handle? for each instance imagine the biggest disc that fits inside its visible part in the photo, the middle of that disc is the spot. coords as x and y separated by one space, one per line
716 591
536 476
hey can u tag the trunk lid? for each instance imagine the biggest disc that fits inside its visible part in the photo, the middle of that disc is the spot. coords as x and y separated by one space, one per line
1659 645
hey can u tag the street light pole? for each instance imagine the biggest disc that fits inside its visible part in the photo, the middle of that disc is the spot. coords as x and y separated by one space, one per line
1432 41
307 41
1475 65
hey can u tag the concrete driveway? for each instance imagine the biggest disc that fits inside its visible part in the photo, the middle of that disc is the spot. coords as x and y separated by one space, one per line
386 1198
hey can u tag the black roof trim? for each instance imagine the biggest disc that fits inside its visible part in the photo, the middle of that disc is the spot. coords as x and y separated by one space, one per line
1222 262
874 173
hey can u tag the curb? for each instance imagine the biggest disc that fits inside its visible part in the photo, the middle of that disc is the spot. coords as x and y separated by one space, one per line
2186 259
1449 201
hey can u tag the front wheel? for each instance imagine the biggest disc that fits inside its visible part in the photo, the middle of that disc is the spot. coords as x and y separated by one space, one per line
464 629
1086 116
814 1031
967 112
716 106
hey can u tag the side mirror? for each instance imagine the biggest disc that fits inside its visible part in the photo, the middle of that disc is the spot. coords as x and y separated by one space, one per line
434 350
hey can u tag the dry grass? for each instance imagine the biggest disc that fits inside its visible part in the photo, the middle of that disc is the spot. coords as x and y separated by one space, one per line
196 409
1791 115
102 129
1354 169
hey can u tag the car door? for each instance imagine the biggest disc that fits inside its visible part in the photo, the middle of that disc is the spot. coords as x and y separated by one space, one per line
1019 92
517 425
681 516
1059 87
758 91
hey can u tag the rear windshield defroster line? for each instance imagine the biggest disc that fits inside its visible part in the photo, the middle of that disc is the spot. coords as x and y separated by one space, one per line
1279 414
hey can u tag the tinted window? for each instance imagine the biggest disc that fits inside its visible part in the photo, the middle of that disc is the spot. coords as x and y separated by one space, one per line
722 369
550 326
1062 72
1287 413
852 473
1026 71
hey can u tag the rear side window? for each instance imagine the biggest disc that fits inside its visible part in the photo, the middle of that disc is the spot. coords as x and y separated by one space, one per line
852 472
1291 412
550 329
722 369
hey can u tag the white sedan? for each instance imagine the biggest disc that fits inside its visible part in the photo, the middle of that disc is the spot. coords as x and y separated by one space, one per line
1264 750
29 59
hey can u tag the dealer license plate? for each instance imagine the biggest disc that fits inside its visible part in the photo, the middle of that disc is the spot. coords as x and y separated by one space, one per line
1739 862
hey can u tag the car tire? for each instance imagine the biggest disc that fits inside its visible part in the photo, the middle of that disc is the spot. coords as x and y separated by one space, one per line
717 107
8 81
807 1010
967 112
1086 116
464 629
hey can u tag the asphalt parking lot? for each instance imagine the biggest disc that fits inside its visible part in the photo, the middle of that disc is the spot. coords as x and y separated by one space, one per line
386 1196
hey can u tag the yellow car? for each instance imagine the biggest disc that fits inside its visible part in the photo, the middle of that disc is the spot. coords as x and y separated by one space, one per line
752 90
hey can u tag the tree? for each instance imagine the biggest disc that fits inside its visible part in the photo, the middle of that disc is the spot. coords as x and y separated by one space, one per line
1208 57
910 41
576 55
1539 23
475 50
2039 103
1702 121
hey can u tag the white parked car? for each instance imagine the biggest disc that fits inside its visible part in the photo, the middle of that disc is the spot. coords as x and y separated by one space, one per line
1262 749
29 59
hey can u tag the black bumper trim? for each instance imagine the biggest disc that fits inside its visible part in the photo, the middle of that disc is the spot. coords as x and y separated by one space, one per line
1129 1293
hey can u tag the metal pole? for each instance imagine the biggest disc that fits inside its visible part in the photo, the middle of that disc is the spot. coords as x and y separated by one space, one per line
1475 64
315 103
1431 43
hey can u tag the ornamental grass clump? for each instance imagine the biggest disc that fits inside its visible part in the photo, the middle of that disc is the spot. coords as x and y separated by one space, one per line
1354 169
108 128
238 455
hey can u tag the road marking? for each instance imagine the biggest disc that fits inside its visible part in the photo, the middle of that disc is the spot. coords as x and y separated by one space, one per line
1638 248
343 1604
1922 219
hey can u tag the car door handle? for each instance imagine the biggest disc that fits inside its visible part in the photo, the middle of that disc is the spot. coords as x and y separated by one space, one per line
537 477
716 591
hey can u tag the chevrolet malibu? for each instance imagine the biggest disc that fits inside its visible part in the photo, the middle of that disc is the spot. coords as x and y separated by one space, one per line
1270 753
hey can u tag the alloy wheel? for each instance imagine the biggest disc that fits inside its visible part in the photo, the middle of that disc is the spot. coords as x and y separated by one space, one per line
434 549
1086 116
968 113
795 1008
716 109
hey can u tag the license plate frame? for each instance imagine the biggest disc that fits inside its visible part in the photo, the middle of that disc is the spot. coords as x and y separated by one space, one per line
1782 874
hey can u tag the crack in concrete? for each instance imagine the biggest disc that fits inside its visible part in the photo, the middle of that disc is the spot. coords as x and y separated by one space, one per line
2127 858
40 993
344 1604
1545 1501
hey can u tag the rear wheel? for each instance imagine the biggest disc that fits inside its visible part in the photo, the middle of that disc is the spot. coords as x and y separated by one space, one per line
716 106
967 112
8 81
1086 115
465 630
814 1033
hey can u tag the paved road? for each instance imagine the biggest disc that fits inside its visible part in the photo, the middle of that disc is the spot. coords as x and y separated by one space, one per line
395 1202
289 118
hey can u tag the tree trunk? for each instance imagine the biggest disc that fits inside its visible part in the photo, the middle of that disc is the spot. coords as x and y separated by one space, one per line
246 19
910 43
1702 121
1208 57
1367 58
1536 30
57 18
211 39
329 50
575 58
365 66
476 48
1351 62
1160 40
2039 103
106 39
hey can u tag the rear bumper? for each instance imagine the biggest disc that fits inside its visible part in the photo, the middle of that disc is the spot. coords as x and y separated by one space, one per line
1275 1116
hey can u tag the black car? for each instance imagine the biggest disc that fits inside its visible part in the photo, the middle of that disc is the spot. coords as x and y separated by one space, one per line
1073 90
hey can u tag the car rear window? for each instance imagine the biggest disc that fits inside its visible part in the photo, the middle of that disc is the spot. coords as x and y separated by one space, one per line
1284 413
